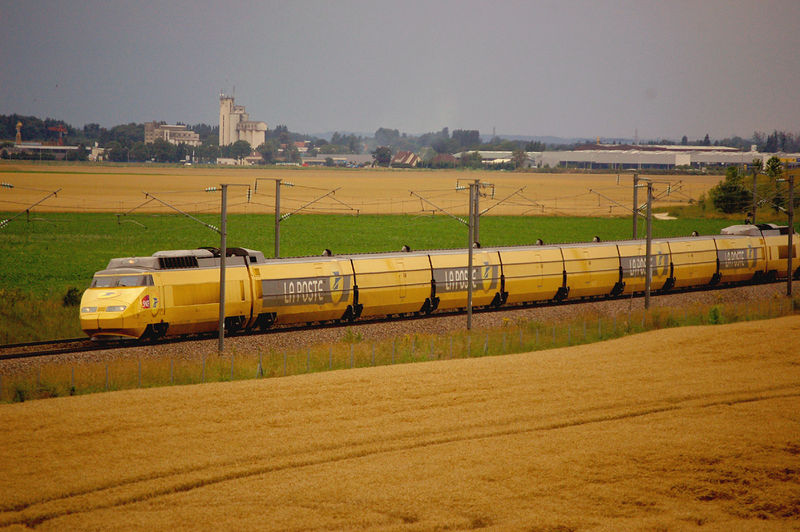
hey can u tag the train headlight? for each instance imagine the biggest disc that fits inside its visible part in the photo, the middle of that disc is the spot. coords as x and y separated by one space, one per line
88 309
116 308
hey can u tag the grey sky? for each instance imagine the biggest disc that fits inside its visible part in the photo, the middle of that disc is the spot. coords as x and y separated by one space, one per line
567 68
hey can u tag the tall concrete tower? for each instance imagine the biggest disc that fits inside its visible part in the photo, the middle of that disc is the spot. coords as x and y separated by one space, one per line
225 115
235 124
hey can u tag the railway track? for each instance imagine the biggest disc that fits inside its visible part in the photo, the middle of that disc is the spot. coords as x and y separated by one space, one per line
46 348
80 345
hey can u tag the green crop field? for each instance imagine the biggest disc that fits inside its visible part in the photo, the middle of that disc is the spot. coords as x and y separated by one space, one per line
47 257
42 260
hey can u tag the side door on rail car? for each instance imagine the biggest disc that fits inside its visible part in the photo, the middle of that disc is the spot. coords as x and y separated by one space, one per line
592 269
694 261
392 283
633 260
451 278
532 273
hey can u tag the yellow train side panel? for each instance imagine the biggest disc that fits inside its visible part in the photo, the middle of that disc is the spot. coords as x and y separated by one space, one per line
191 297
300 291
592 269
776 251
740 257
532 274
694 261
392 285
633 260
451 277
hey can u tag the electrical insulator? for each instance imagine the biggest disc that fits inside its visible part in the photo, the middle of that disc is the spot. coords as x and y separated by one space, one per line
211 189
248 194
6 185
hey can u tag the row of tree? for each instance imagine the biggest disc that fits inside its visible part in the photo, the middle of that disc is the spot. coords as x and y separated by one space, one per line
735 193
127 137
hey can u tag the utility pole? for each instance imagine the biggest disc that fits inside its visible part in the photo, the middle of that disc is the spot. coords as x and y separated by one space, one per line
790 249
755 200
476 223
648 248
790 233
278 183
635 205
223 236
473 191
223 251
277 218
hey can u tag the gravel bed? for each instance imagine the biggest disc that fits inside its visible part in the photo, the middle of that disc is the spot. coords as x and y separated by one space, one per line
294 340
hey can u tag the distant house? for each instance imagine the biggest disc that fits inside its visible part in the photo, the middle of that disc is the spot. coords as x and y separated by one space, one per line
405 159
253 158
301 146
444 160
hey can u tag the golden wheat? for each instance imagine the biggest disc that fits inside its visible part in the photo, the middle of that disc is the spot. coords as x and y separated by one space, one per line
666 430
366 191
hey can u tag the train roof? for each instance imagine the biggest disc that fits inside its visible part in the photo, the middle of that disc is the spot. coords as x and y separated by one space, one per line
209 257
174 259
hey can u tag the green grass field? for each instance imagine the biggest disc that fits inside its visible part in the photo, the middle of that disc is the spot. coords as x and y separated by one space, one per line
41 260
45 258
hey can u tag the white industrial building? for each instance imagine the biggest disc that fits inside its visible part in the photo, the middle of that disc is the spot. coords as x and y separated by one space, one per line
635 157
622 157
235 124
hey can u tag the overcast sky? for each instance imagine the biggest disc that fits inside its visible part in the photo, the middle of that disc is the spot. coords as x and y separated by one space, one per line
564 68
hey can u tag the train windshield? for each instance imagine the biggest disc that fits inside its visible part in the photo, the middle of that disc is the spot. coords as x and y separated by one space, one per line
110 281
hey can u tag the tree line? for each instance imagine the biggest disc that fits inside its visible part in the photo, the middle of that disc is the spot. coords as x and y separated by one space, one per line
125 142
764 182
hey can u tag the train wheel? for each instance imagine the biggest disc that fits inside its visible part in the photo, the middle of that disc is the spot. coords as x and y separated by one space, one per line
155 331
234 323
265 321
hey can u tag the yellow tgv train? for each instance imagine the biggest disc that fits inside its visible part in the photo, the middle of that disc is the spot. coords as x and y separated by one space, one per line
177 292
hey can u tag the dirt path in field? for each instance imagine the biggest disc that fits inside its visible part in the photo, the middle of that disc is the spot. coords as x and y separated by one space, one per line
672 429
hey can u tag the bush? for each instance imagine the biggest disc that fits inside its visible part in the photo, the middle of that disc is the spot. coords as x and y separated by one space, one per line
715 315
72 298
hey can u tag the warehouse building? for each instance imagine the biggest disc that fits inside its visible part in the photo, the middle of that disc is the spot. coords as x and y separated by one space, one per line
644 157
617 157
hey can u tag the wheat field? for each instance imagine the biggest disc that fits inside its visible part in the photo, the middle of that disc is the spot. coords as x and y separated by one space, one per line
670 430
352 191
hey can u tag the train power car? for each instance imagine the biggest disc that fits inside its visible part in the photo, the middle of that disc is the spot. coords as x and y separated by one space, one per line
177 292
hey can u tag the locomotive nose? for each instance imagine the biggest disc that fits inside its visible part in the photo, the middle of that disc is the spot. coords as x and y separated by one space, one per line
111 311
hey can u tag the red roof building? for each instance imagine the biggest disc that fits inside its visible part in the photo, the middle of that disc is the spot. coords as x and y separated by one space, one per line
405 159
